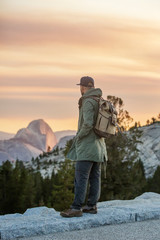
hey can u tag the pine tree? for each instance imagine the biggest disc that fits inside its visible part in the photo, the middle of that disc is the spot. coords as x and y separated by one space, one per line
38 185
125 176
63 186
5 182
17 188
124 119
47 190
153 183
123 162
68 146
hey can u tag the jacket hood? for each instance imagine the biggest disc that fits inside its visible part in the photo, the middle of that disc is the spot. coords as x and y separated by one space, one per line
93 91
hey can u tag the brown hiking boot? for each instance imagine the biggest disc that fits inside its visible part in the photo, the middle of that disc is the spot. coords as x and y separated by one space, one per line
87 209
71 213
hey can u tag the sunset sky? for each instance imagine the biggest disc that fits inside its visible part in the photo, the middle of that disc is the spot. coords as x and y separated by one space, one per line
47 46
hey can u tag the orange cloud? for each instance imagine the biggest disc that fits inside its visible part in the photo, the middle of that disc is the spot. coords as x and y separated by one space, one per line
43 57
62 48
38 89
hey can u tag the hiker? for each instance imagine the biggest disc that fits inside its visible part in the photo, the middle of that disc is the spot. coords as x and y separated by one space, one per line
89 151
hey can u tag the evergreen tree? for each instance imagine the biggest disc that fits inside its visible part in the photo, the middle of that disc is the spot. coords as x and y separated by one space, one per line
125 177
28 190
123 163
5 183
17 188
47 190
68 146
124 119
153 183
38 185
63 186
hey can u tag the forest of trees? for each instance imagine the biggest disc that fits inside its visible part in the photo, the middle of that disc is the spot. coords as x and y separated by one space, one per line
23 187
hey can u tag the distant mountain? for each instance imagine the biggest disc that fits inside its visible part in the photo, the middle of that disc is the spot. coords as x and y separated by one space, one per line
28 142
6 136
38 136
61 134
62 142
149 150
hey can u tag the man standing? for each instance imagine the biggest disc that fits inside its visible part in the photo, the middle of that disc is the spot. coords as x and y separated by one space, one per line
88 150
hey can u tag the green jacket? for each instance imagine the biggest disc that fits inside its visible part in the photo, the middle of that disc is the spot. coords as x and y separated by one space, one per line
86 144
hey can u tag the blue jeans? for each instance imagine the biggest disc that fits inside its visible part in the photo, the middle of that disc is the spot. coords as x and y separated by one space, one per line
84 171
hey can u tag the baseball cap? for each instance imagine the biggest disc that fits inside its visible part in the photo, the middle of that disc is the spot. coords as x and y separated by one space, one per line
86 81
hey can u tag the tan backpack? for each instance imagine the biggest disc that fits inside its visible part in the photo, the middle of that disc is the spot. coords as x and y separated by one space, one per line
106 122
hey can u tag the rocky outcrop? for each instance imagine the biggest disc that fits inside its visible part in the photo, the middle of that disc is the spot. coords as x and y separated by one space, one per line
149 150
43 220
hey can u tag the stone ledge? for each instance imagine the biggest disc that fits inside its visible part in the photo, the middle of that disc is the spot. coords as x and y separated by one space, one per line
43 220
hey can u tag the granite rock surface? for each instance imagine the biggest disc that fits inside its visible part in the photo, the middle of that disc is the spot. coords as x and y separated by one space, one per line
42 220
